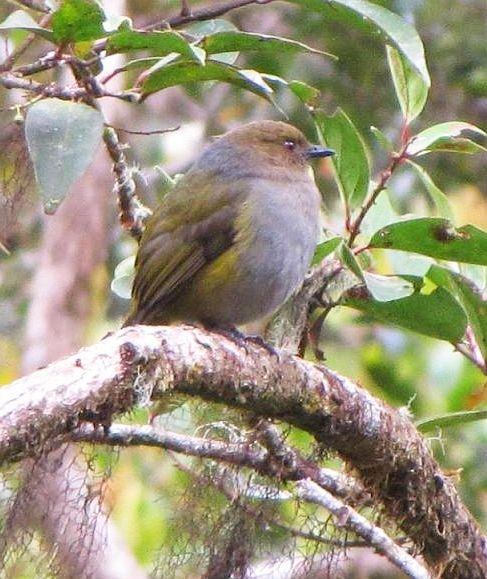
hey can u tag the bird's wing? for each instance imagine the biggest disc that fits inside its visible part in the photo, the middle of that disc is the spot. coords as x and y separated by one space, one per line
170 256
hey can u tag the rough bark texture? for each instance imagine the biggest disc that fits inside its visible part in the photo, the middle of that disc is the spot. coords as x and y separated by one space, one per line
379 442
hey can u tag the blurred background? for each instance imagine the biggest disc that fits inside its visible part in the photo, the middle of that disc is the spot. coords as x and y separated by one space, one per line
55 271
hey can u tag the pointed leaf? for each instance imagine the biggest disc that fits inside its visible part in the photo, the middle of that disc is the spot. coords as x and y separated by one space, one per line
469 296
436 237
325 248
411 87
436 194
62 138
238 41
350 261
160 43
452 419
20 20
391 27
454 136
78 20
185 72
306 93
383 141
436 314
351 164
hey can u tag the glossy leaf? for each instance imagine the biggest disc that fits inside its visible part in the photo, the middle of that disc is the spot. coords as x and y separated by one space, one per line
436 314
62 138
435 193
391 27
20 20
411 88
78 20
385 288
350 164
184 72
469 296
205 28
456 137
379 215
436 237
236 40
350 261
325 248
160 43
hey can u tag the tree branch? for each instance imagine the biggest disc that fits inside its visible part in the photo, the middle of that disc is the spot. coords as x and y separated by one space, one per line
203 14
347 517
392 459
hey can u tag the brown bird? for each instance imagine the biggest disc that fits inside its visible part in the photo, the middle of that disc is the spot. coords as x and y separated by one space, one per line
235 236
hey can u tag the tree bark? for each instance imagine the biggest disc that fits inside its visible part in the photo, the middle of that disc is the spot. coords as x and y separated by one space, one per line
379 442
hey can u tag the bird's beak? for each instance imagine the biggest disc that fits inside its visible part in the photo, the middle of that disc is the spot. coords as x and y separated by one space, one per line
315 151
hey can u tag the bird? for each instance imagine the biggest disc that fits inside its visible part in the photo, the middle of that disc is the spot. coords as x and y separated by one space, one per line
234 238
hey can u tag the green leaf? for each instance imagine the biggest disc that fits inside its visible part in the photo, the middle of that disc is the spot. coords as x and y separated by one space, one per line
436 237
385 288
207 27
62 138
436 314
411 87
452 419
325 248
306 94
350 164
238 41
383 141
77 20
391 27
200 30
185 72
123 278
436 194
160 43
379 215
469 296
350 261
20 20
454 136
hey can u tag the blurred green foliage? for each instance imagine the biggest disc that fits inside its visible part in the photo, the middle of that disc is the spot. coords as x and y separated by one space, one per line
168 515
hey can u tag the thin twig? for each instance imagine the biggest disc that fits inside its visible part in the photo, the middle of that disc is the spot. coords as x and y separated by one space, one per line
375 536
243 455
395 160
55 91
206 13
132 212
12 58
260 515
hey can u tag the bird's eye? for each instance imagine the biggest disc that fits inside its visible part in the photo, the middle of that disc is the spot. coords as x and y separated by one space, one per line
289 144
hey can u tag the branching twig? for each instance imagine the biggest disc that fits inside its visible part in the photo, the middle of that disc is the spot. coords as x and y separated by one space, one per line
383 446
55 91
219 484
375 536
241 455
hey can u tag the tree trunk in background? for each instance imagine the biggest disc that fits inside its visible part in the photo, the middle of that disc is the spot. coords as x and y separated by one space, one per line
55 498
